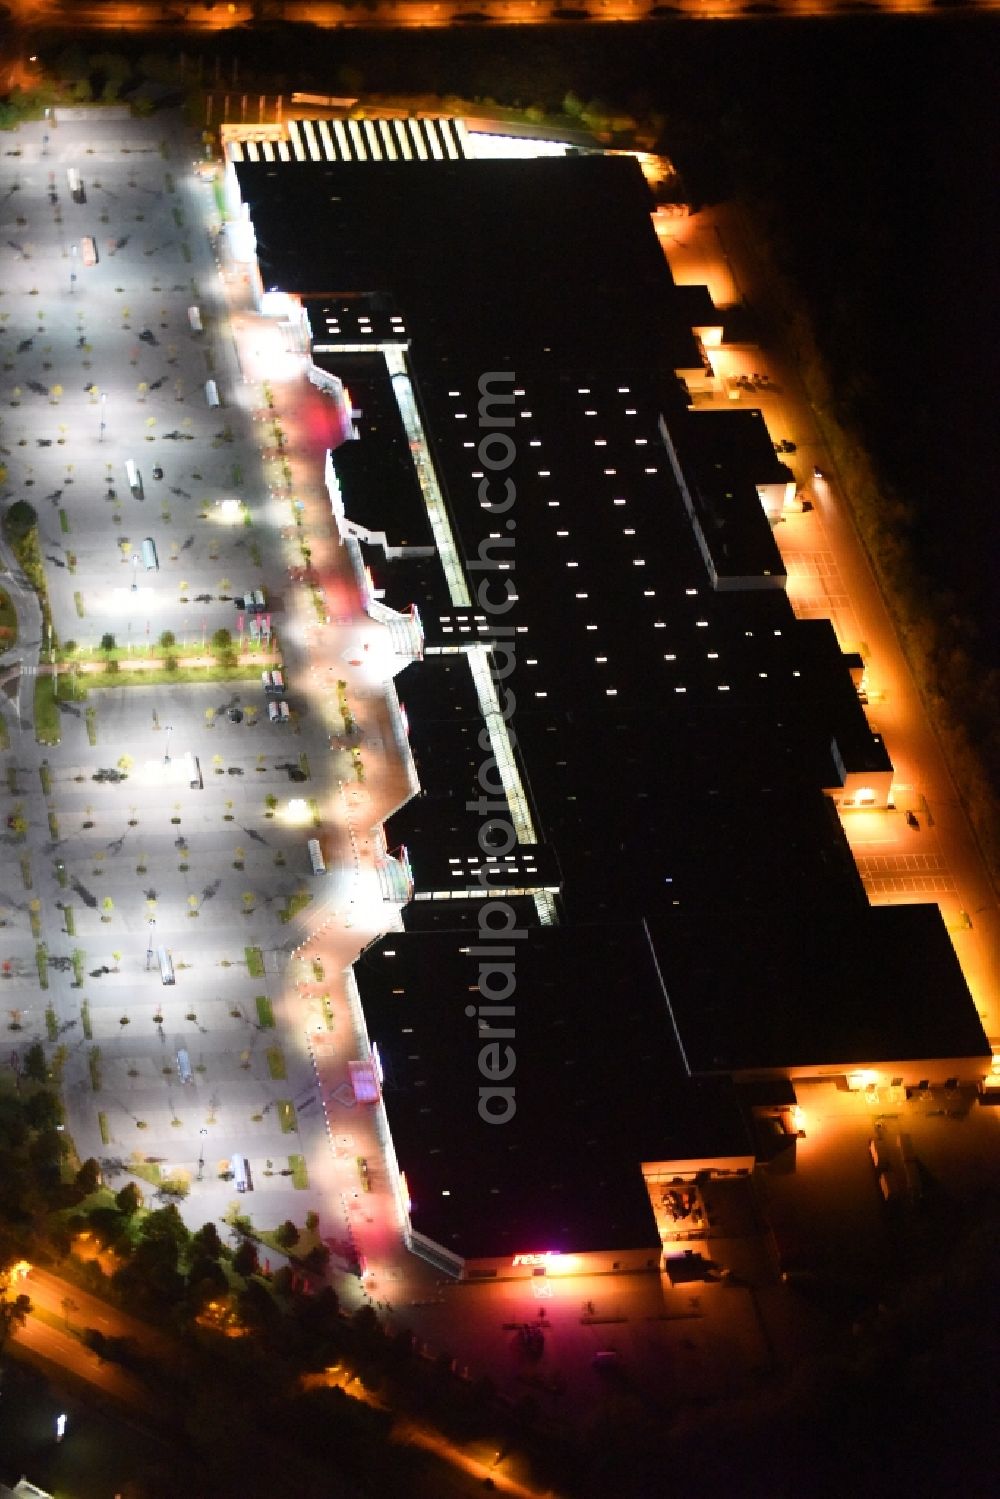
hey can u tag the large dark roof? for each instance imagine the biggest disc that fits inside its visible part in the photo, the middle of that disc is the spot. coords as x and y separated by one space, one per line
375 472
543 260
598 1082
836 988
673 739
441 827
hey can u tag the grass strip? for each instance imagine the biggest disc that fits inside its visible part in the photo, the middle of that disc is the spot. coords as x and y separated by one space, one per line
46 711
296 902
265 1013
276 1063
147 1171
254 961
300 1176
286 1116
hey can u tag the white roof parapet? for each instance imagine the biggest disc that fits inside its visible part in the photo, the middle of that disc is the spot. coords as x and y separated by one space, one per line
357 142
399 127
452 144
309 132
371 135
462 136
417 137
329 149
387 140
295 140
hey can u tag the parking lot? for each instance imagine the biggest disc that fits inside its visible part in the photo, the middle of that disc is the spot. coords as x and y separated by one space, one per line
114 847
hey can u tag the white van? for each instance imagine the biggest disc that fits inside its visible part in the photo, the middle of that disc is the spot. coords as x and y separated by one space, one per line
316 856
273 713
277 681
134 478
184 1067
211 393
285 711
266 681
194 318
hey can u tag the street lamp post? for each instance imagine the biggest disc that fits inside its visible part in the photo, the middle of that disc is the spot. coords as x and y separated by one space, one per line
104 411
166 750
149 948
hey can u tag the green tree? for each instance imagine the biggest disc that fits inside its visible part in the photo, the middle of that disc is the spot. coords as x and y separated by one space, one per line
88 1178
165 1226
34 1064
107 641
205 1242
222 640
168 639
317 1259
19 520
43 1110
206 1279
129 1199
245 1261
13 1314
287 1234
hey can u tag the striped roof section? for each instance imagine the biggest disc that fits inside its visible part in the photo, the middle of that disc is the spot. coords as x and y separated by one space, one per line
393 139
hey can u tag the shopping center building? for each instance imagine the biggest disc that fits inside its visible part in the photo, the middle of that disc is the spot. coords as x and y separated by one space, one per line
629 901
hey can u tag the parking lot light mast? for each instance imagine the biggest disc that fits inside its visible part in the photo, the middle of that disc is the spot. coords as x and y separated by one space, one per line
104 412
166 748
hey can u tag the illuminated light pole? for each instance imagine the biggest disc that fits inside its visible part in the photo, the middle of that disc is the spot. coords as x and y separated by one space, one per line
104 412
166 749
149 948
60 1427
